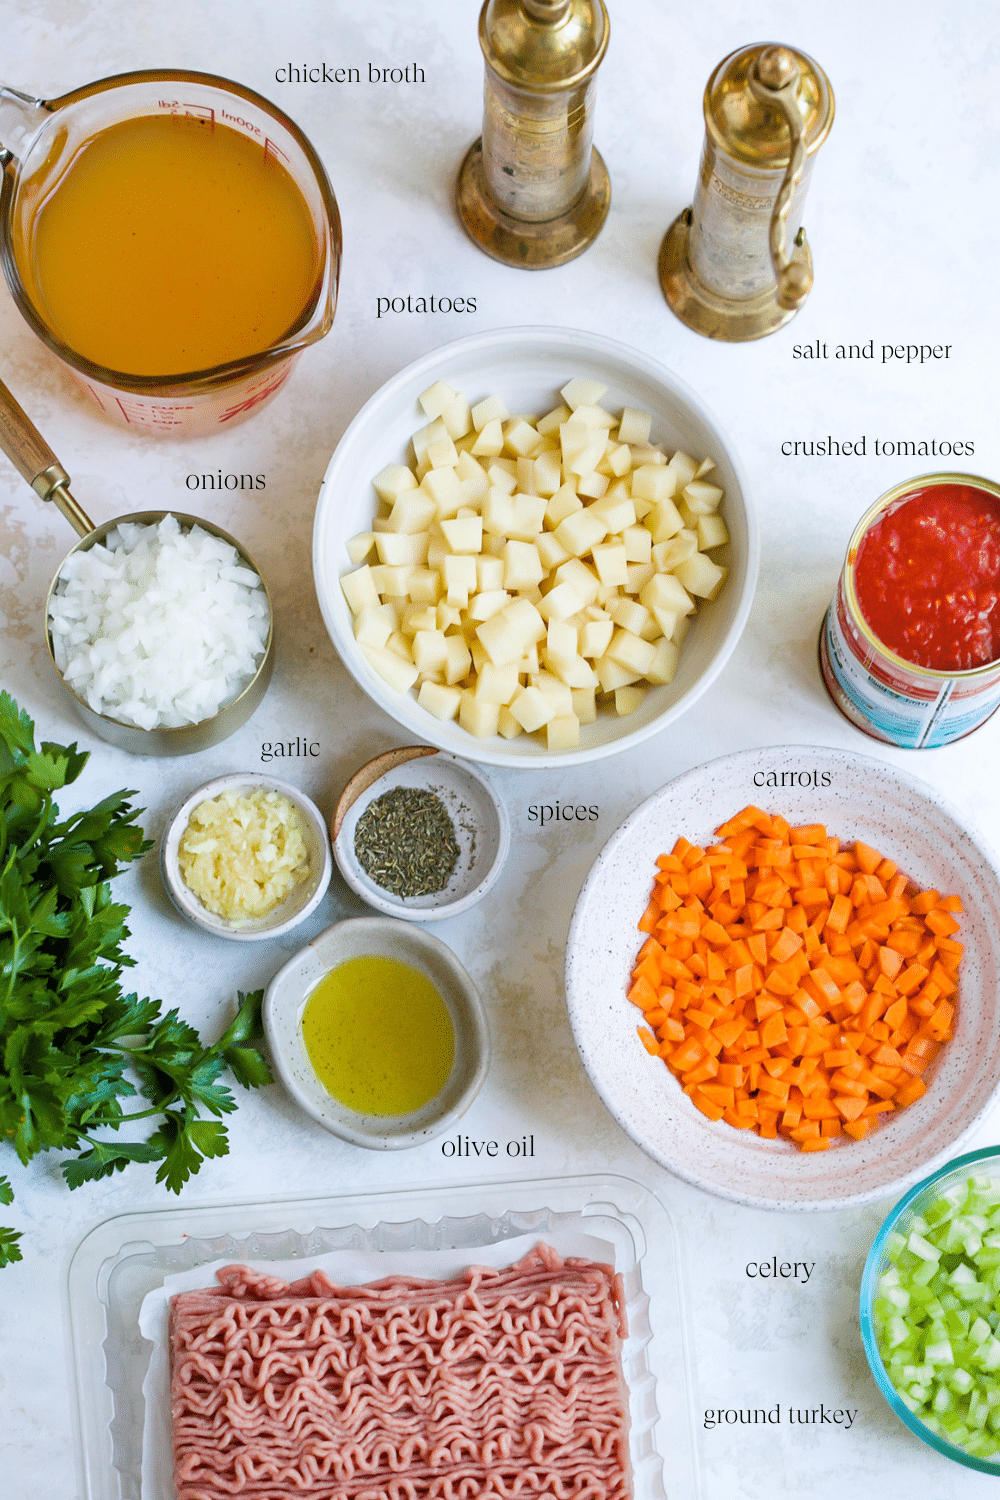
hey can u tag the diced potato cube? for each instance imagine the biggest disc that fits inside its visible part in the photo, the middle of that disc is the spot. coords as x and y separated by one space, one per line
425 586
630 651
573 671
442 453
436 398
448 615
702 499
489 573
639 575
526 476
628 699
399 674
464 534
498 513
487 603
492 409
393 480
638 544
412 511
634 426
397 547
478 717
611 563
664 663
522 566
445 488
360 588
489 442
582 448
560 602
507 724
497 684
653 482
520 438
553 420
667 555
580 392
439 700
562 732
531 708
434 432
701 576
619 460
585 705
457 418
684 466
555 690
430 650
611 674
580 532
667 621
360 546
593 486
665 591
631 615
511 632
711 532
371 626
414 617
561 639
548 473
588 414
617 512
550 550
528 666
664 521
458 659
595 638
584 582
459 578
528 517
562 504
501 476
400 644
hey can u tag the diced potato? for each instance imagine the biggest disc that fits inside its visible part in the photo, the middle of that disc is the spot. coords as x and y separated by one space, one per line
618 461
664 663
652 482
507 724
555 690
548 473
531 708
371 627
553 420
436 398
522 566
580 532
634 426
711 532
458 659
573 671
702 499
414 617
701 576
550 550
360 546
425 586
397 673
617 512
665 591
445 488
582 449
489 441
397 547
585 705
471 477
464 534
595 638
584 582
561 602
489 573
667 555
439 700
490 410
611 563
631 615
580 392
421 440
359 588
631 651
639 575
498 513
529 517
563 503
487 603
497 684
508 634
684 466
430 650
638 543
593 486
477 716
628 699
588 414
664 521
520 438
393 480
460 579
502 477
562 732
611 674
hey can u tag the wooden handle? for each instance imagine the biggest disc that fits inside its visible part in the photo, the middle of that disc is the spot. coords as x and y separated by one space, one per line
23 443
363 779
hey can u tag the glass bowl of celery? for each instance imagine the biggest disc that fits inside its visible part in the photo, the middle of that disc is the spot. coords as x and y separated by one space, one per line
930 1310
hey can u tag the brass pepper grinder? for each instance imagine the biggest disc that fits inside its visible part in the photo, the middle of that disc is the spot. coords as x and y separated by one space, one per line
532 191
736 265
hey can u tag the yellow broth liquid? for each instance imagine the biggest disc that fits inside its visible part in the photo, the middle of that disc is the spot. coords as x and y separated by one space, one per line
379 1036
170 245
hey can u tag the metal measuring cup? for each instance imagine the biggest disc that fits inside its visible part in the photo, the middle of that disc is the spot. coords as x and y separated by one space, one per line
36 462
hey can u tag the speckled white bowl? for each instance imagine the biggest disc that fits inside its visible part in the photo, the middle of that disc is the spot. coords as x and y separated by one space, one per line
862 799
527 367
297 905
384 937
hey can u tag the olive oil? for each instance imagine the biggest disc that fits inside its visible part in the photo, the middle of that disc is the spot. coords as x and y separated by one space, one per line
379 1036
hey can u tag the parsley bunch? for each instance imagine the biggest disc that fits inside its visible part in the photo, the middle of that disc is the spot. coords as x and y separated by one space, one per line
72 1042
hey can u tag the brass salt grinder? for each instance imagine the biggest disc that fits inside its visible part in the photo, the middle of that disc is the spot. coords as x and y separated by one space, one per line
533 191
736 265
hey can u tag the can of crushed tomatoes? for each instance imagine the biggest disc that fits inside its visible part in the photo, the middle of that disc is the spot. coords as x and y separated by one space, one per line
910 646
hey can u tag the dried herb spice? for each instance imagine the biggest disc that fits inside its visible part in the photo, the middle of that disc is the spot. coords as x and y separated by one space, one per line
405 842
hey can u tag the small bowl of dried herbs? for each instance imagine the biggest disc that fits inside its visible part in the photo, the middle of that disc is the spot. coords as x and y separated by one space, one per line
420 834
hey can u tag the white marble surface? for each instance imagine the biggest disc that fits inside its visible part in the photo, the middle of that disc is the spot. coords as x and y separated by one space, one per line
902 218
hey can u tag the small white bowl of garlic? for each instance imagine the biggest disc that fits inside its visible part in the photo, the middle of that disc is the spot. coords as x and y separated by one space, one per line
246 857
534 547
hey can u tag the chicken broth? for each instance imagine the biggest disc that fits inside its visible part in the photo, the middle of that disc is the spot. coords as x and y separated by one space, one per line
171 245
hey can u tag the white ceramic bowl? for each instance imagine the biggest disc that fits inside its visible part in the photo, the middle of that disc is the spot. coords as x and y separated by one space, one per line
479 818
527 367
862 798
297 905
285 999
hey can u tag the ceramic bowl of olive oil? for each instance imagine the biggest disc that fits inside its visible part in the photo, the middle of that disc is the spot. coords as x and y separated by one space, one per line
378 1033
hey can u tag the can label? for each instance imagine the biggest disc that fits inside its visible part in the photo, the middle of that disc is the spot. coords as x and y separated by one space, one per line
916 712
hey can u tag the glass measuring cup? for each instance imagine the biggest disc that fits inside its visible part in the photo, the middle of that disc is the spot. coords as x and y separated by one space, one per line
42 139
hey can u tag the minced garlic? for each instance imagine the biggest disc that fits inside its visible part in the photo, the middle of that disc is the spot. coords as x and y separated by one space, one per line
243 852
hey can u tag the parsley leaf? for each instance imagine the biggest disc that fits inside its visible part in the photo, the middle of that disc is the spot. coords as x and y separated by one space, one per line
73 1046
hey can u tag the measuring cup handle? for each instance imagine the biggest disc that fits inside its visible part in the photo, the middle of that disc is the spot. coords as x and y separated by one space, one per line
34 461
775 81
